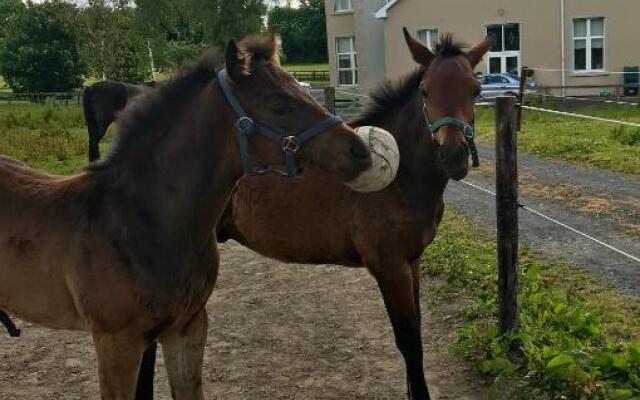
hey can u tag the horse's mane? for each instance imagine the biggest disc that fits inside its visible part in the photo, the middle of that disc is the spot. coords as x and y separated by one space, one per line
447 47
391 96
146 119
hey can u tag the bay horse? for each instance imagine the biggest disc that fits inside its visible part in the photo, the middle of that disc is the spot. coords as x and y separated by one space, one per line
101 103
127 249
429 112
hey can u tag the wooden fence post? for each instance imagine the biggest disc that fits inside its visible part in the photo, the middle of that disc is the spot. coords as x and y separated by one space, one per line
330 99
507 211
521 93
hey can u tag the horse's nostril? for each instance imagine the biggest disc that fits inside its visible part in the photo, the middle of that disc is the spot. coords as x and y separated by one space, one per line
358 152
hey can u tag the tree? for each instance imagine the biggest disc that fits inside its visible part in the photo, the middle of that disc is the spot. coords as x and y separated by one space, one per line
223 20
179 29
41 49
8 9
303 31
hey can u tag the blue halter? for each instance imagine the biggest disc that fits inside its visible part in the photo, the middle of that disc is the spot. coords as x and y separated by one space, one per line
290 144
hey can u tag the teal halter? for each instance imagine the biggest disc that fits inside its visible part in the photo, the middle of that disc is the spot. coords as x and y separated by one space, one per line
467 130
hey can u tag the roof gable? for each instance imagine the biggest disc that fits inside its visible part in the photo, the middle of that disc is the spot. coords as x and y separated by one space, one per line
382 13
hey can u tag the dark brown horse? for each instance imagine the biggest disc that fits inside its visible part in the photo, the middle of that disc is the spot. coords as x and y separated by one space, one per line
386 231
102 102
127 250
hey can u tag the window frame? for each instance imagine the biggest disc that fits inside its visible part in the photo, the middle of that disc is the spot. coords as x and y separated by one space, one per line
430 30
588 45
504 54
342 11
352 59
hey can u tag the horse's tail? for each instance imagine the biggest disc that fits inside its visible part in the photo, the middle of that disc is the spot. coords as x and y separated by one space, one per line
93 127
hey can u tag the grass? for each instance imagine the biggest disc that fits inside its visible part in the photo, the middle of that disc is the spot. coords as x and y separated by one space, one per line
306 67
577 338
590 143
48 137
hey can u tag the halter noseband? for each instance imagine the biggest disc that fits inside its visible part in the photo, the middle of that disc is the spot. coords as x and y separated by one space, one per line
468 130
290 144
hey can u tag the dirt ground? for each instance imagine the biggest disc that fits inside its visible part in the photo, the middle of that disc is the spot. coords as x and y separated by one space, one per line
276 332
602 204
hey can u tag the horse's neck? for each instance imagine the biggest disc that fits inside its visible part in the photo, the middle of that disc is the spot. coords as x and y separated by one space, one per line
419 170
191 172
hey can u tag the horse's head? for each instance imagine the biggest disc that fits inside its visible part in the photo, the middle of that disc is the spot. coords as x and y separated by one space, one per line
280 108
449 88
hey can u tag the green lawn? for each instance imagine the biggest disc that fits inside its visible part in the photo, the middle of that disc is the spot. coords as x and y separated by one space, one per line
590 143
306 67
48 137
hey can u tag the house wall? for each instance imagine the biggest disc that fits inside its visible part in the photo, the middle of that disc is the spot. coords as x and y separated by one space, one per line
369 39
622 36
337 25
370 44
540 31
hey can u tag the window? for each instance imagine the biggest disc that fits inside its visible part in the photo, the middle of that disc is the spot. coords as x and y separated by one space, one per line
347 62
341 6
588 44
428 37
504 55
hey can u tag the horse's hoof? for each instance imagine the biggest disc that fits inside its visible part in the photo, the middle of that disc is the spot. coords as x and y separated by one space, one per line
15 333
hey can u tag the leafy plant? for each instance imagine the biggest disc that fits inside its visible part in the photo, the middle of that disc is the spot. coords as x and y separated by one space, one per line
569 343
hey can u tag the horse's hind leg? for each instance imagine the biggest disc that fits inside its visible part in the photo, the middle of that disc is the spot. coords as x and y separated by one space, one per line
96 133
118 362
8 323
144 390
183 354
396 282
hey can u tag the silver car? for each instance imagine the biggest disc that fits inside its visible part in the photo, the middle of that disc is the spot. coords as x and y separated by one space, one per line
494 85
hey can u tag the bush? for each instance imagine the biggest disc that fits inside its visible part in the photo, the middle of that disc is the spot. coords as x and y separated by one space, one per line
40 52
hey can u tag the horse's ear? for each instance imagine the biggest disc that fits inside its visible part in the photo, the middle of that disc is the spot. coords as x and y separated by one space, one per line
475 54
420 53
237 61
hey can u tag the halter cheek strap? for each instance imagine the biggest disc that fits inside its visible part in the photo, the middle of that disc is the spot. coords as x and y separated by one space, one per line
290 144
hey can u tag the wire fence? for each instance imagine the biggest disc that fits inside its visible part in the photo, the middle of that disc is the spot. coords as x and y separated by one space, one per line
583 99
67 98
533 211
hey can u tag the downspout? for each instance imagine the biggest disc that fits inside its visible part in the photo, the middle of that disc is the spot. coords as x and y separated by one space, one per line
562 57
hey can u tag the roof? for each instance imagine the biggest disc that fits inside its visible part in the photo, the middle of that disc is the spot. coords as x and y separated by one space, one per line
382 13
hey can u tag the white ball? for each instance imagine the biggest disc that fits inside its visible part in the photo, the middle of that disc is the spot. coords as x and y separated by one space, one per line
385 158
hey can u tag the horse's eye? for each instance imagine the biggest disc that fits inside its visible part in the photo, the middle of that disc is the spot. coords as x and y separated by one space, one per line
424 93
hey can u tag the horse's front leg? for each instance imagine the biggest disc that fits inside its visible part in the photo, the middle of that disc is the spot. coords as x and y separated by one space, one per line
8 323
119 358
399 290
184 354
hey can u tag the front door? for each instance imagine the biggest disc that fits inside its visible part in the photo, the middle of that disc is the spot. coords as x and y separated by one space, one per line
504 56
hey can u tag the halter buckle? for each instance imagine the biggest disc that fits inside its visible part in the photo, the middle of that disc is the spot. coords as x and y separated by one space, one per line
245 125
290 144
468 131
